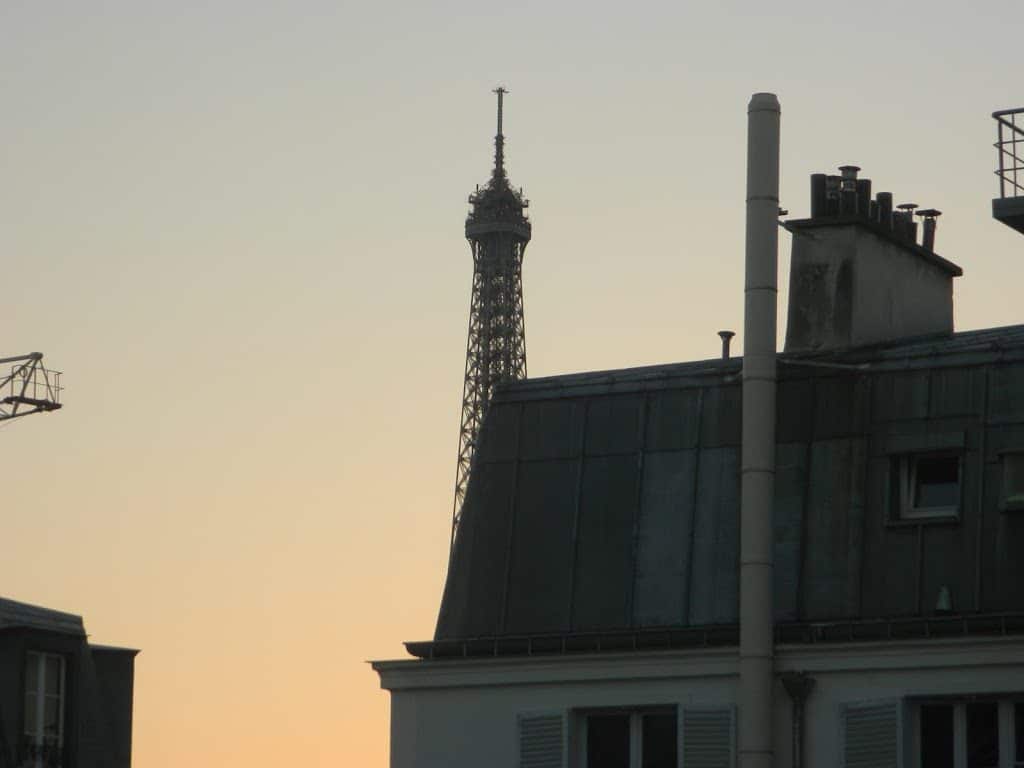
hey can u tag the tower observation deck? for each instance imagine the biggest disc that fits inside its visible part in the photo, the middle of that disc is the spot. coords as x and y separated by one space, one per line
498 230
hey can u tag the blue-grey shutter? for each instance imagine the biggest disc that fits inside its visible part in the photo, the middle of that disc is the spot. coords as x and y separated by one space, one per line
707 738
541 741
871 735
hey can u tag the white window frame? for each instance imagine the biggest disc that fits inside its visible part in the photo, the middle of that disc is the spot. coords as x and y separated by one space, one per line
636 715
39 738
1007 737
906 477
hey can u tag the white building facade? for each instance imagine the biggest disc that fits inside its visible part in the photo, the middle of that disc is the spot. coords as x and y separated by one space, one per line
864 709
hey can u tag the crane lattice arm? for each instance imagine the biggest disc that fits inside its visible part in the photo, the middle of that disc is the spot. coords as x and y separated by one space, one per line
29 387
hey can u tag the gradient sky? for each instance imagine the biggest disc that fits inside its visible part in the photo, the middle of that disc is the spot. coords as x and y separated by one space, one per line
237 227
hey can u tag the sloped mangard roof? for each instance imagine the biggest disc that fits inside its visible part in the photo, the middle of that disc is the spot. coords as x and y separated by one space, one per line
603 509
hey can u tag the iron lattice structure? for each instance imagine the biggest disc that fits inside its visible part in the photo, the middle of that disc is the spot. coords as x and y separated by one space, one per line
498 230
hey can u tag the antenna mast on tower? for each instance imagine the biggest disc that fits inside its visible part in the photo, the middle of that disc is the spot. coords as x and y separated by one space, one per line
498 230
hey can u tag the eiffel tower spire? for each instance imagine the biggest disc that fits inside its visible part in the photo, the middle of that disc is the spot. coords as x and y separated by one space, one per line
499 139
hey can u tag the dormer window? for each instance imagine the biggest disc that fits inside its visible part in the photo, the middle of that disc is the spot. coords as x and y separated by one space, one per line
929 485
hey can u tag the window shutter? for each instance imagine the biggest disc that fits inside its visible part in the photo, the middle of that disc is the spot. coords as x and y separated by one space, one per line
707 738
871 735
541 741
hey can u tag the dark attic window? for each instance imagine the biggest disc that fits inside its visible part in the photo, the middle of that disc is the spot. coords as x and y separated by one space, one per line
928 486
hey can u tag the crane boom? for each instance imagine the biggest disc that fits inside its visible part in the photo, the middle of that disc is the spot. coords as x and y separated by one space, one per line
29 387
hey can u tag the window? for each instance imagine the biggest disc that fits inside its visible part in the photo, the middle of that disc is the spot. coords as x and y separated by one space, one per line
1012 495
928 485
44 710
636 738
977 733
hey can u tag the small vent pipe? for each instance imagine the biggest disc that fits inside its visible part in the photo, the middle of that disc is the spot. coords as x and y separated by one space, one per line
757 485
726 337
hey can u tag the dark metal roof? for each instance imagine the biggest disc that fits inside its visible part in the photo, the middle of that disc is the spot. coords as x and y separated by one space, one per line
608 502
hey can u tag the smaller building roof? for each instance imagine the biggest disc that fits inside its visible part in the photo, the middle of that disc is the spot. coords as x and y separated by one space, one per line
15 615
115 649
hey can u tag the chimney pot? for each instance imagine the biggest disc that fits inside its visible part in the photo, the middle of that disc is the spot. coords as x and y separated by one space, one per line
848 189
928 238
849 172
864 197
885 209
819 195
903 222
832 195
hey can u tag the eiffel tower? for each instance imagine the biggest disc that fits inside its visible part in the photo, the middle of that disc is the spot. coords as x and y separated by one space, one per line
498 230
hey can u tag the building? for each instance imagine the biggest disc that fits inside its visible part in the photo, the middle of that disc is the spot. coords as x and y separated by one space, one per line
64 702
591 615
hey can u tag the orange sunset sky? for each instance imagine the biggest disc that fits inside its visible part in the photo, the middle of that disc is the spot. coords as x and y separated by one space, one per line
237 228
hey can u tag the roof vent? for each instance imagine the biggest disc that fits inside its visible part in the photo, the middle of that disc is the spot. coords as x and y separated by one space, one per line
726 337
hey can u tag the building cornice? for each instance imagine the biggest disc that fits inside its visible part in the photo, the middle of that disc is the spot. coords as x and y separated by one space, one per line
704 663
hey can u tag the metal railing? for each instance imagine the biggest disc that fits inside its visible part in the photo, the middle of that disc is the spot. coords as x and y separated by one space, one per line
1010 148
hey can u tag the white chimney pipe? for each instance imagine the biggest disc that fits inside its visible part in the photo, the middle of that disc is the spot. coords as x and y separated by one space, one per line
757 490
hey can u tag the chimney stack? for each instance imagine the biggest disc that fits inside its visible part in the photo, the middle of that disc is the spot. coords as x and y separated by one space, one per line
858 275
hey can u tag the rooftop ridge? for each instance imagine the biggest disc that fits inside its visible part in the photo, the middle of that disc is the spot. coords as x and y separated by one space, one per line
992 343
